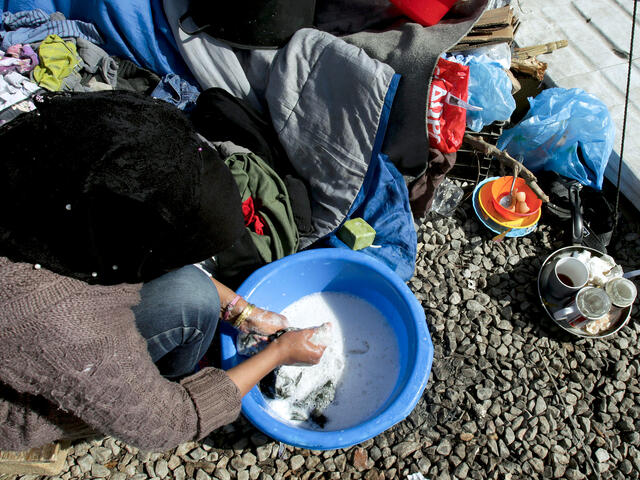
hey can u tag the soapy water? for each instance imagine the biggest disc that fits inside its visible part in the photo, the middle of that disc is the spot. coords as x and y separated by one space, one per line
361 362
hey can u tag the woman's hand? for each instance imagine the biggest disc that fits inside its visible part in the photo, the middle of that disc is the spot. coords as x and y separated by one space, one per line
298 348
263 322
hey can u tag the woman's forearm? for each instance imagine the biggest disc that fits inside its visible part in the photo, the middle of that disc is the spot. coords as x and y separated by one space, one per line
252 370
226 296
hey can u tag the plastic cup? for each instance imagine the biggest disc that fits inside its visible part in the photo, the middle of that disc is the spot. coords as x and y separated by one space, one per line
622 292
589 305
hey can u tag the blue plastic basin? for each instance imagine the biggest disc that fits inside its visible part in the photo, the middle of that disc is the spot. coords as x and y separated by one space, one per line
279 284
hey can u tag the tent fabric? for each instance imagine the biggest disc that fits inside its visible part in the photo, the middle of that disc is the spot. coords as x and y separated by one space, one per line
132 29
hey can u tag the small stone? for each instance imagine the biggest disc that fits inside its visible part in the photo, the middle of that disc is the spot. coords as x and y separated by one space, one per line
474 306
404 449
100 471
455 298
254 472
537 464
311 462
466 437
162 468
263 452
484 393
602 455
389 461
202 475
360 458
174 462
238 463
179 473
182 449
221 474
541 406
111 444
85 463
198 454
444 448
296 462
249 459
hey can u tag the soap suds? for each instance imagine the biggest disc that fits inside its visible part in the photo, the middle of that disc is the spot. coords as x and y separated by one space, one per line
361 360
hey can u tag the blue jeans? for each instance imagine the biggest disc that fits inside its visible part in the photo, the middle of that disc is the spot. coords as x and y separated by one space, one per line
177 315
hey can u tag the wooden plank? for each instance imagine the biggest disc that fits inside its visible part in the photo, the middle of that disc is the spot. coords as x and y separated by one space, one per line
46 460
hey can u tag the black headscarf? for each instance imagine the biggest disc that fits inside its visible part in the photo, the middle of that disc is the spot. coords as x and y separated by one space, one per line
112 187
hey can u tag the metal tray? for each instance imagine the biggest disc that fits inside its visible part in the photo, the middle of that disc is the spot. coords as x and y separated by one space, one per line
550 305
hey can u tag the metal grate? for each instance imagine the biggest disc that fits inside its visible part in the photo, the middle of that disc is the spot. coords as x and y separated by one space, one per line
471 166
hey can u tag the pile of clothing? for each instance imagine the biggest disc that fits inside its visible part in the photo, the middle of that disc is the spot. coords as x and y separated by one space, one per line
315 132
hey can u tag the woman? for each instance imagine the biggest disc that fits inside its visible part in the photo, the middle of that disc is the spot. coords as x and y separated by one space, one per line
103 199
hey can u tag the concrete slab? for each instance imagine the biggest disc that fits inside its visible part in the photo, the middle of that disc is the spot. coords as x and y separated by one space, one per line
599 34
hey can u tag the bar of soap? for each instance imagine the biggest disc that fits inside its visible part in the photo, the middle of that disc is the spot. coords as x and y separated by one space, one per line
357 234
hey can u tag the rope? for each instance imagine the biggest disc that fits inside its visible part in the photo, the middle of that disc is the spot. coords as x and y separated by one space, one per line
624 118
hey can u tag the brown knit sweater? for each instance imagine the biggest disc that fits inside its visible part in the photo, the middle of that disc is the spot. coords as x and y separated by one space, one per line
70 351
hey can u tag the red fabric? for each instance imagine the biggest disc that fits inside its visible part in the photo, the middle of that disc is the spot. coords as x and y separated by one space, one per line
252 217
425 12
446 123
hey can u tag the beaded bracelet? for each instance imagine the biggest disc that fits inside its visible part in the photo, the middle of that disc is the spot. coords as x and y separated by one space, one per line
243 315
229 308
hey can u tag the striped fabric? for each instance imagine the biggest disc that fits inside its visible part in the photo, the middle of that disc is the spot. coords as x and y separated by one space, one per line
35 25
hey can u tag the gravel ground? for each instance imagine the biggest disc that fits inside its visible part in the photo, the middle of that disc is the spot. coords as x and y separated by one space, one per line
510 395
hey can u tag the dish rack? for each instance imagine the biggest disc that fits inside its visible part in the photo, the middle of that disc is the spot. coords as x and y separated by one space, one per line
472 167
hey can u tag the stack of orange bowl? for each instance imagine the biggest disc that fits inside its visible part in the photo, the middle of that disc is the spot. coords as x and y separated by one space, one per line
495 217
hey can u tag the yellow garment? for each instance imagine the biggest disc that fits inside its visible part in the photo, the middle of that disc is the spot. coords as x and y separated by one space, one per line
58 60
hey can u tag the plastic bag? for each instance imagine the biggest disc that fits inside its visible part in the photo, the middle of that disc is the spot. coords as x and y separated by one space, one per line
489 89
498 52
446 198
567 131
446 114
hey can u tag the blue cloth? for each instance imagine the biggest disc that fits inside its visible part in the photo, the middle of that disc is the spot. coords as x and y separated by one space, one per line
177 91
383 202
177 315
35 25
133 29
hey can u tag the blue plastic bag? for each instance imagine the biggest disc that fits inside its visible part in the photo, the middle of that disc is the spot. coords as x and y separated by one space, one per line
567 131
489 89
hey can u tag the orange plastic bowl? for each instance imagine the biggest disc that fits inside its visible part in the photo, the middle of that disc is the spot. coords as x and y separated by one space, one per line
501 186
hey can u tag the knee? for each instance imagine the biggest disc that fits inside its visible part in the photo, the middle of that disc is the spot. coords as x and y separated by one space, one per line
198 298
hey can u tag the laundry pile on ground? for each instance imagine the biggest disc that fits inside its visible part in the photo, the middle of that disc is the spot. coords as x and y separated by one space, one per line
315 132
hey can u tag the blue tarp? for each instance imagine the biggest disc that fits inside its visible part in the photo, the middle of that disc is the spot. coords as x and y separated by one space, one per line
133 29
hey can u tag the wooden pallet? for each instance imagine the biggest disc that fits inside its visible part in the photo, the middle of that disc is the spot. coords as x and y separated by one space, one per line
46 460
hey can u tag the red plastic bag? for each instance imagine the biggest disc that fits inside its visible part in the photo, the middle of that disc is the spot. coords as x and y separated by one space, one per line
446 119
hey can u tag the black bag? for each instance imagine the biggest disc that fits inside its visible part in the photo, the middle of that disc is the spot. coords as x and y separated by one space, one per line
250 23
583 213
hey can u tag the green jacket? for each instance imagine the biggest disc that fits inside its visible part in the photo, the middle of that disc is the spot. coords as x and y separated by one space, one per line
256 179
